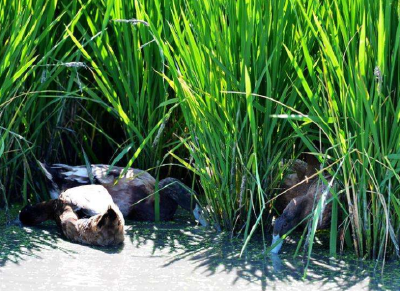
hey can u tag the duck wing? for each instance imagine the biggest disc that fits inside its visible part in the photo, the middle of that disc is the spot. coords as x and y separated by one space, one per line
63 177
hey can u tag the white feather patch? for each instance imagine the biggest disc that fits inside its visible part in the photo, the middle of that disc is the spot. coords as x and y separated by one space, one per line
80 172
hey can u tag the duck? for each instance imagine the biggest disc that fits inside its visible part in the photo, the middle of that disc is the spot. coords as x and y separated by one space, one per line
301 200
295 184
132 190
85 214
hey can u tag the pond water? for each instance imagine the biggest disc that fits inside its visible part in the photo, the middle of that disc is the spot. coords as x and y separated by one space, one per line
172 256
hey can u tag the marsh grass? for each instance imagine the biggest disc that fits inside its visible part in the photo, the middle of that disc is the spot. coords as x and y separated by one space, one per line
353 107
226 89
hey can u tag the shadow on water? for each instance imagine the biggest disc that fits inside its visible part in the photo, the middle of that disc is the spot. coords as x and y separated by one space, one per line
17 243
212 253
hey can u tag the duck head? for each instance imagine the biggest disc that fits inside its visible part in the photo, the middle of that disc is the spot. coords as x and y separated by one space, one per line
291 217
34 215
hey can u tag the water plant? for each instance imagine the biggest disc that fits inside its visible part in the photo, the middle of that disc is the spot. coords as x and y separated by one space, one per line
229 90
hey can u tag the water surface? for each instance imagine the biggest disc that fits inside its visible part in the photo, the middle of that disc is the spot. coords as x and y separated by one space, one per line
171 256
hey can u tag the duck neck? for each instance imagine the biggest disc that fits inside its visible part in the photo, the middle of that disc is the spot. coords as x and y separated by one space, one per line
34 215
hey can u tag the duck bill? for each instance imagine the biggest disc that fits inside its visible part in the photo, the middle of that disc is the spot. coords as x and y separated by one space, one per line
199 215
277 248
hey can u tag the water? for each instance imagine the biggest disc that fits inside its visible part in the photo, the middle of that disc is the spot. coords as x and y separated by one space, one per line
171 256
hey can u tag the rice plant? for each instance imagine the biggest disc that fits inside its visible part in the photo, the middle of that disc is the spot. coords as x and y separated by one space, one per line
217 51
125 66
226 89
21 112
71 109
349 86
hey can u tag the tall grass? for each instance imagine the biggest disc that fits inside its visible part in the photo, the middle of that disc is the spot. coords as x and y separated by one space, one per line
227 89
350 87
346 77
125 66
79 88
21 113
235 145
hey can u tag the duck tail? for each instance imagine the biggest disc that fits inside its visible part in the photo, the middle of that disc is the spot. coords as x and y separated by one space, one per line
51 178
61 177
45 170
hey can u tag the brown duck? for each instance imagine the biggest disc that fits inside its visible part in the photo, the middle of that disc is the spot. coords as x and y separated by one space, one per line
132 190
299 201
85 214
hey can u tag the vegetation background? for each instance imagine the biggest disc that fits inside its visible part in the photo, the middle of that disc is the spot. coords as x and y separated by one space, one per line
220 93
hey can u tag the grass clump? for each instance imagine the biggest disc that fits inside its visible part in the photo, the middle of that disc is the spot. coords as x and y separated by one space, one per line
227 89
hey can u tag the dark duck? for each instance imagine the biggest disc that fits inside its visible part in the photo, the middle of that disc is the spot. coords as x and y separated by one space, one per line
303 190
85 214
132 191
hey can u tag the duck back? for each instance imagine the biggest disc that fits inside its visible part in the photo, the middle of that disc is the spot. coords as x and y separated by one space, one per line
62 177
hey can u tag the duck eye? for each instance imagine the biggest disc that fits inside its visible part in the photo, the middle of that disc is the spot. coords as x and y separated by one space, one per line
285 224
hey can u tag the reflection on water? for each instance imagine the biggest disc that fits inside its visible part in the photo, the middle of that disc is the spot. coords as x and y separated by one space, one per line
171 255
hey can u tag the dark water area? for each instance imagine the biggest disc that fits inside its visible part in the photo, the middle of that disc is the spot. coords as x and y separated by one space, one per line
174 255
